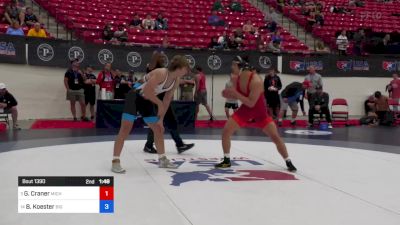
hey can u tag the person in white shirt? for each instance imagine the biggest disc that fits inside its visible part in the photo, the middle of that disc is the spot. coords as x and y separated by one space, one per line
342 43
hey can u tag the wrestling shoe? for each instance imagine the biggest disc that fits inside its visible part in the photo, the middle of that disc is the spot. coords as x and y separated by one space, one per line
116 167
184 148
293 123
226 163
150 150
290 166
163 162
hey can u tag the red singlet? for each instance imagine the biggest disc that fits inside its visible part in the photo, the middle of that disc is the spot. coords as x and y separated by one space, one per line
258 112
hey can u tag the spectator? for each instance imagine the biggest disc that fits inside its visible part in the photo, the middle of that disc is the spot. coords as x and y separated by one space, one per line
200 94
311 20
290 97
90 90
15 29
342 43
37 31
148 23
136 22
118 89
120 35
275 46
370 117
277 36
321 48
187 85
319 104
30 18
248 27
272 85
161 23
214 44
394 90
262 46
359 40
235 6
381 105
271 20
238 36
232 44
128 82
386 41
105 79
8 104
215 20
13 12
319 18
315 80
217 6
74 83
108 34
223 40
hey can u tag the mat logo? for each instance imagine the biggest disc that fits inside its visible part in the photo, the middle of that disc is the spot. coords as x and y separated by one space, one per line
191 60
134 59
214 62
353 65
265 62
45 52
222 175
391 66
7 48
299 66
105 56
76 53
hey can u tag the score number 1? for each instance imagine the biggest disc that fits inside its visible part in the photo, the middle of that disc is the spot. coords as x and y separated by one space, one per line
106 199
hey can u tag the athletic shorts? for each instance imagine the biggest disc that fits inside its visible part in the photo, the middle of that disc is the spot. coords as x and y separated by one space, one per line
294 106
136 105
229 105
75 95
201 98
90 99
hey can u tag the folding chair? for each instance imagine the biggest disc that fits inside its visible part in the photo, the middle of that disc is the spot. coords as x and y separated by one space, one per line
4 117
340 111
393 104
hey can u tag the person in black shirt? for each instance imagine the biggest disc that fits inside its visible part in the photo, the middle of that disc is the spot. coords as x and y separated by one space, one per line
73 82
30 18
108 34
118 87
290 97
127 82
90 89
170 121
272 85
8 104
319 104
136 22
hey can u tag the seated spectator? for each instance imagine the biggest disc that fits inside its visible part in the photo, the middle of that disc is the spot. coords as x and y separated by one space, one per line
232 44
13 12
319 104
37 31
319 19
217 6
275 46
311 20
248 27
381 105
277 36
321 48
370 117
271 20
161 23
359 3
342 43
8 104
215 20
235 6
148 23
223 39
120 35
238 36
30 18
15 29
214 44
108 34
136 22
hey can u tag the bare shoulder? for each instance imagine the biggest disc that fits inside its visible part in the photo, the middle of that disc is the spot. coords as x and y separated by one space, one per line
157 74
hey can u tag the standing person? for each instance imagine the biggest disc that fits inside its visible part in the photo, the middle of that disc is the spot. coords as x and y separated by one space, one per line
272 85
118 87
290 97
319 104
315 80
187 86
170 121
381 105
200 95
90 90
105 79
342 43
394 90
231 103
144 100
128 82
8 104
73 82
249 90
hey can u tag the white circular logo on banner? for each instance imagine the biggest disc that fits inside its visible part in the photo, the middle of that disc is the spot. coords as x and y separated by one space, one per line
214 62
76 52
45 52
308 132
166 60
105 56
134 59
191 60
265 62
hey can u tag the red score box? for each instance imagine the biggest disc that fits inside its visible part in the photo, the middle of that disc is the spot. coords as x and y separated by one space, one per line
106 193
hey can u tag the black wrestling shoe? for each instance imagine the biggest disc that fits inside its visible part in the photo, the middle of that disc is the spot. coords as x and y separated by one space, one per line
290 166
226 163
150 150
184 148
293 123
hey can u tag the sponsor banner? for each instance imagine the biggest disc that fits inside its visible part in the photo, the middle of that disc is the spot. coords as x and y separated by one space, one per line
340 66
12 49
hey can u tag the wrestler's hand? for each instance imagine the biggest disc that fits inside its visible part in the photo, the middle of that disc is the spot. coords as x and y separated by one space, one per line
229 93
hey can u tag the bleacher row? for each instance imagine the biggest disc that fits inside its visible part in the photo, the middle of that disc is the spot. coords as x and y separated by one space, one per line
187 21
